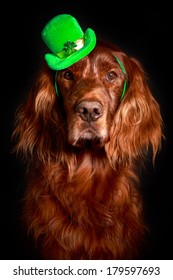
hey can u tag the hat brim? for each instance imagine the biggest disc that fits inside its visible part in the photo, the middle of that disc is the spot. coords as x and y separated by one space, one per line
56 63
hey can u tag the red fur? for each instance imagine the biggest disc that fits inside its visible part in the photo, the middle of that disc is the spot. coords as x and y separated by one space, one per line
82 199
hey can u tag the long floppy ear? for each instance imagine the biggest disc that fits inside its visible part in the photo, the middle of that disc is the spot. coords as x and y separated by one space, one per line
137 124
38 128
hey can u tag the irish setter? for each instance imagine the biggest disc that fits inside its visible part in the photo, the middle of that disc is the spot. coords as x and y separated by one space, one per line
83 147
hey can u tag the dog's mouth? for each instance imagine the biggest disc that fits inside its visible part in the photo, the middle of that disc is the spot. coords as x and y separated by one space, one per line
89 139
89 143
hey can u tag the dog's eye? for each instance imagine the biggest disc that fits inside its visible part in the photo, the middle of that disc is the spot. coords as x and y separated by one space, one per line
68 75
111 76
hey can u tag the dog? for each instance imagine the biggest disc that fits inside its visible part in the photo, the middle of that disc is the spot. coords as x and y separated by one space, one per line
84 147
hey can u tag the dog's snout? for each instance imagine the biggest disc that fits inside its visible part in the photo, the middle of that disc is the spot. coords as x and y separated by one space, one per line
89 110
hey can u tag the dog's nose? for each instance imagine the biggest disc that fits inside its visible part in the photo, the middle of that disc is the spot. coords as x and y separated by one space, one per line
89 110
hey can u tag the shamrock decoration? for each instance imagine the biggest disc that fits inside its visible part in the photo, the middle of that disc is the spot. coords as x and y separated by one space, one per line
69 47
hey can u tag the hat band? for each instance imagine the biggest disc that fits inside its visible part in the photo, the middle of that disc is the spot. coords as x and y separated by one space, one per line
124 72
70 48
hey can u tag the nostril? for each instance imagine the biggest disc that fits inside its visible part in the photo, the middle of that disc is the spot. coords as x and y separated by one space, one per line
83 110
89 110
96 112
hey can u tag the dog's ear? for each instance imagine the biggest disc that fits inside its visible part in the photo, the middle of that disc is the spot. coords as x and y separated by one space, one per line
38 127
137 124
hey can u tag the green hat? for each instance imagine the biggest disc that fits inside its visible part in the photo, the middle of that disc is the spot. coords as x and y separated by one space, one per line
65 38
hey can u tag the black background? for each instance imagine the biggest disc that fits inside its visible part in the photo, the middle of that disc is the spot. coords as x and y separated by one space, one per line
141 30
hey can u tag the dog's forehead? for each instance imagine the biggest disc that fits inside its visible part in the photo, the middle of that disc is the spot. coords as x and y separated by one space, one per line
103 61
